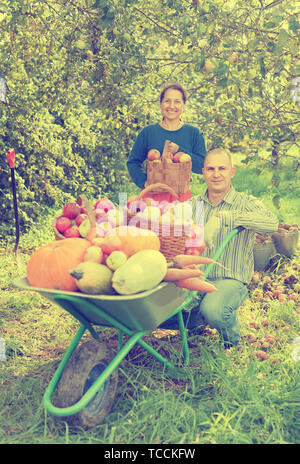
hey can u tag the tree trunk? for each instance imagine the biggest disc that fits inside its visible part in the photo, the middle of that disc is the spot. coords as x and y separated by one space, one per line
275 152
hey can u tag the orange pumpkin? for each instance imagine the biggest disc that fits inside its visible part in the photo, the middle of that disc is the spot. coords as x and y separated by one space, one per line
50 264
135 239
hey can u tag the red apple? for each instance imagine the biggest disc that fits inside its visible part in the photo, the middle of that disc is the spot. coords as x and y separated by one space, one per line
293 297
169 156
71 210
251 338
261 355
62 224
72 232
137 206
153 154
270 339
80 218
111 244
104 204
177 156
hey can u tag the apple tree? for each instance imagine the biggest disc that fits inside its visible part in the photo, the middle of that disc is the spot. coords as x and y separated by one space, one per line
83 77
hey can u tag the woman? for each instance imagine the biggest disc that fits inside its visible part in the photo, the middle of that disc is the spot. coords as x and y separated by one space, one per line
183 137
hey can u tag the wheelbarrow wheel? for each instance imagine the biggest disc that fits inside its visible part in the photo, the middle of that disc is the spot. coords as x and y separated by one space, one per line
84 367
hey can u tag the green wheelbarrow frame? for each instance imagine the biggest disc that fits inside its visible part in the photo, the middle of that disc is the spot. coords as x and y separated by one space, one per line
70 303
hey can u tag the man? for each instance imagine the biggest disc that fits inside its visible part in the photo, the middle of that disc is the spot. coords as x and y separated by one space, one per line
224 210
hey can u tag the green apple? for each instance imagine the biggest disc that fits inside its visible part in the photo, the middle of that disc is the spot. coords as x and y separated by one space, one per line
84 227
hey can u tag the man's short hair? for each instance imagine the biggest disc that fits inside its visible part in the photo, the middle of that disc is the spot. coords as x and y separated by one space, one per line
218 151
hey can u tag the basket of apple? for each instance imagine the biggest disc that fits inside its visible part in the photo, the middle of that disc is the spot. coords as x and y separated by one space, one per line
81 219
174 170
171 221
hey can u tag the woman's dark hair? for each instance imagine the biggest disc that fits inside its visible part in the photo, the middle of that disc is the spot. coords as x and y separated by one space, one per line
174 86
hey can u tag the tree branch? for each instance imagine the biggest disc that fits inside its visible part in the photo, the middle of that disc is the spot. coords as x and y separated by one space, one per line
170 30
276 2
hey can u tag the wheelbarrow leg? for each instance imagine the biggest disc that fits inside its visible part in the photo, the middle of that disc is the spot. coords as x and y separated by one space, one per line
185 346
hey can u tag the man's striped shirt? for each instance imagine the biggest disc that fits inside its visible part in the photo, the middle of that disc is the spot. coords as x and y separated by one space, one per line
236 209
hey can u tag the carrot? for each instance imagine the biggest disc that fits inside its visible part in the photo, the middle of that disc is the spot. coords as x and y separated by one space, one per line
194 283
185 260
174 274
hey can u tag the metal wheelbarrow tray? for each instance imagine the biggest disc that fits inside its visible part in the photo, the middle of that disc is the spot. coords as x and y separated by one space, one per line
87 377
141 311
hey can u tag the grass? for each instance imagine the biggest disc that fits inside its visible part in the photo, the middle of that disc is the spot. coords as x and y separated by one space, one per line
223 397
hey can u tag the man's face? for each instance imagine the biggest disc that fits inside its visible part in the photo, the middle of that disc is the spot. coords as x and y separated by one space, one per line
218 173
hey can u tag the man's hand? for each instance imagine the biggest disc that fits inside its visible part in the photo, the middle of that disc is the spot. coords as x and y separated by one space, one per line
211 230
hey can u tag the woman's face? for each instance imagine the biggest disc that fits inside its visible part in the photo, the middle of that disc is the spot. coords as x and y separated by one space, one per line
172 105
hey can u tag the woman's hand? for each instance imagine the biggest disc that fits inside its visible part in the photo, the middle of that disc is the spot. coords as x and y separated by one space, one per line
172 147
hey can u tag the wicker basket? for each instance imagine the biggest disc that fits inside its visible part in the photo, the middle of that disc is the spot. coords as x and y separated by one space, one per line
81 201
172 236
175 175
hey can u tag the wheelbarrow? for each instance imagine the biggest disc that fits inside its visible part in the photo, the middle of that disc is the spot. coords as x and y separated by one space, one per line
87 376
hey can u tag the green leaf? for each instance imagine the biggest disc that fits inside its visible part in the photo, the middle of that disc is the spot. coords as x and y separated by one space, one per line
283 37
262 66
200 63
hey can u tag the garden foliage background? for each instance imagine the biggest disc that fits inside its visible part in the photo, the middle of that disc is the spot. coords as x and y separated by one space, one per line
83 77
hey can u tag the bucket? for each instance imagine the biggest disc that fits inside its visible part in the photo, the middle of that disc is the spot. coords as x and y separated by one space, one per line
286 243
263 253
